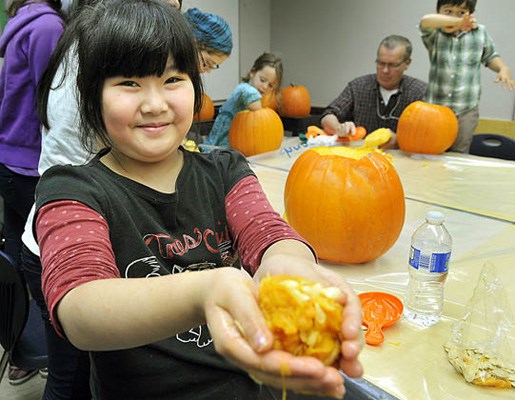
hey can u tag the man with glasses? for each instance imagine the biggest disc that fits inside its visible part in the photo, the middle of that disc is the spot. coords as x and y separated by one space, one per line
376 100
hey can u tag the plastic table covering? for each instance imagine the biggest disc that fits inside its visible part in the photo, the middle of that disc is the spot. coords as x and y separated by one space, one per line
477 196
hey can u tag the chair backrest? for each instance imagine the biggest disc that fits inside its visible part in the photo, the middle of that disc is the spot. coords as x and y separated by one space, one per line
14 303
22 329
493 145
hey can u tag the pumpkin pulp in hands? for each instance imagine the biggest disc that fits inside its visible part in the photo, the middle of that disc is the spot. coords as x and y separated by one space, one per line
304 317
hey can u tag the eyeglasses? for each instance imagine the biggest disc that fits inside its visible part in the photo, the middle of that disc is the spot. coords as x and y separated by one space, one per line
383 65
207 62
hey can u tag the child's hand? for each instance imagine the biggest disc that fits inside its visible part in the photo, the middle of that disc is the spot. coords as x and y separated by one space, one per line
504 78
351 329
240 334
468 23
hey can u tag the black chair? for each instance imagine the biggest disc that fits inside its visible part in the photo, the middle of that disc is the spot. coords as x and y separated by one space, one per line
493 145
22 331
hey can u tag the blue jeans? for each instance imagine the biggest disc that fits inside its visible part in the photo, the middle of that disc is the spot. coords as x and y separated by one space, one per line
68 367
18 194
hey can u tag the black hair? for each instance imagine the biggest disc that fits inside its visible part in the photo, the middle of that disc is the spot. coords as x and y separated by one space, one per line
394 41
132 38
16 4
470 4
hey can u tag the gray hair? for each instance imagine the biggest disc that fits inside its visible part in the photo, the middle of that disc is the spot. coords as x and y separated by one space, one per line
394 41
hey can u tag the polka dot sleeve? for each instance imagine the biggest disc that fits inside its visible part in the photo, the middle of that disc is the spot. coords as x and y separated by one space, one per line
254 224
75 249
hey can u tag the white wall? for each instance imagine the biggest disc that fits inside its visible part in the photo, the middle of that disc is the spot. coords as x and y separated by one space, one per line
326 43
255 31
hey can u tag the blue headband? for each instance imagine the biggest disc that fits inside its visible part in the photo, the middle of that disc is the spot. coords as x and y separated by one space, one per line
210 30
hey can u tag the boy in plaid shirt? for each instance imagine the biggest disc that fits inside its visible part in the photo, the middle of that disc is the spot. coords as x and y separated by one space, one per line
457 47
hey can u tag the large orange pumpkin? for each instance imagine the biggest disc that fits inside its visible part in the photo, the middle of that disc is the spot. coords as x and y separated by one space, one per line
296 101
426 128
256 132
348 203
207 111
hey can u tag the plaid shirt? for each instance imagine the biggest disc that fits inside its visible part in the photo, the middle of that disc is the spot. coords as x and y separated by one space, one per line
362 103
455 76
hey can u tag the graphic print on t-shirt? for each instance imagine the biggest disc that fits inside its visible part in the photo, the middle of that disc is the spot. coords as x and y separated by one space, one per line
201 243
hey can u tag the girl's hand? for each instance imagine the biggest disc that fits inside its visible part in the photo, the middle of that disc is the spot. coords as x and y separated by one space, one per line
299 265
240 334
468 23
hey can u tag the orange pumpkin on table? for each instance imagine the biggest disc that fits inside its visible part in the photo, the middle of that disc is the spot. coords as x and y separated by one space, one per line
347 202
295 102
207 111
426 128
270 100
256 132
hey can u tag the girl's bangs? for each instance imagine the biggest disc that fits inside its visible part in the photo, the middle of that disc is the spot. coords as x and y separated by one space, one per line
148 43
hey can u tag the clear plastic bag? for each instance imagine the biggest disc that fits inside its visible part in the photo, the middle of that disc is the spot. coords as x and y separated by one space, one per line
479 347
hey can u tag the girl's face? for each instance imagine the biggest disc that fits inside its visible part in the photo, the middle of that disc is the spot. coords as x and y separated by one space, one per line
264 80
147 118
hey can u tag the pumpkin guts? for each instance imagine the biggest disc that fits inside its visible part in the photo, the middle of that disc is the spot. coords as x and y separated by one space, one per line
304 317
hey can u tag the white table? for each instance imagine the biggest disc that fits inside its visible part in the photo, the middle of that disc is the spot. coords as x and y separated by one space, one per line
477 196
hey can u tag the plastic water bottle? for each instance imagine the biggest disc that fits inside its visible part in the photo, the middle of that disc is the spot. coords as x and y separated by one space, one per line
428 265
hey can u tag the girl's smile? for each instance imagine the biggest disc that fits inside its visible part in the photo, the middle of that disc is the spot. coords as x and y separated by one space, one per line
154 128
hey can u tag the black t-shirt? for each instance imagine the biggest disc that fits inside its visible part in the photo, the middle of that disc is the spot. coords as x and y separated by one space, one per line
154 234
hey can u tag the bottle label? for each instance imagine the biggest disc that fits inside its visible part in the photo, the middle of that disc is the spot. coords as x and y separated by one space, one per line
435 262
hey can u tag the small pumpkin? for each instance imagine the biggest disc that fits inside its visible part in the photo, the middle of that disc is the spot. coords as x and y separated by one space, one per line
270 100
359 133
304 317
426 128
207 111
296 101
256 132
347 202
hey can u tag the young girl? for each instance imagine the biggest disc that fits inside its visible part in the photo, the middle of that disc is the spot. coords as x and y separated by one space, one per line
118 234
265 76
26 45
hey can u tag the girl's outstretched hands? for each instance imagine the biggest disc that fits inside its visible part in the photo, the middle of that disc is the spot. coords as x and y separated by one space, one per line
298 260
241 335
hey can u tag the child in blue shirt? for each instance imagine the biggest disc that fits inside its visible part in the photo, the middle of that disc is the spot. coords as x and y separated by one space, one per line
457 47
265 75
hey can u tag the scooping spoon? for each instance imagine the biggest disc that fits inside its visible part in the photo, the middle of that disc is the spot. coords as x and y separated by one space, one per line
380 310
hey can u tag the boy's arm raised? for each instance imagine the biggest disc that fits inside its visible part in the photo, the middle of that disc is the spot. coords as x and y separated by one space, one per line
435 21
